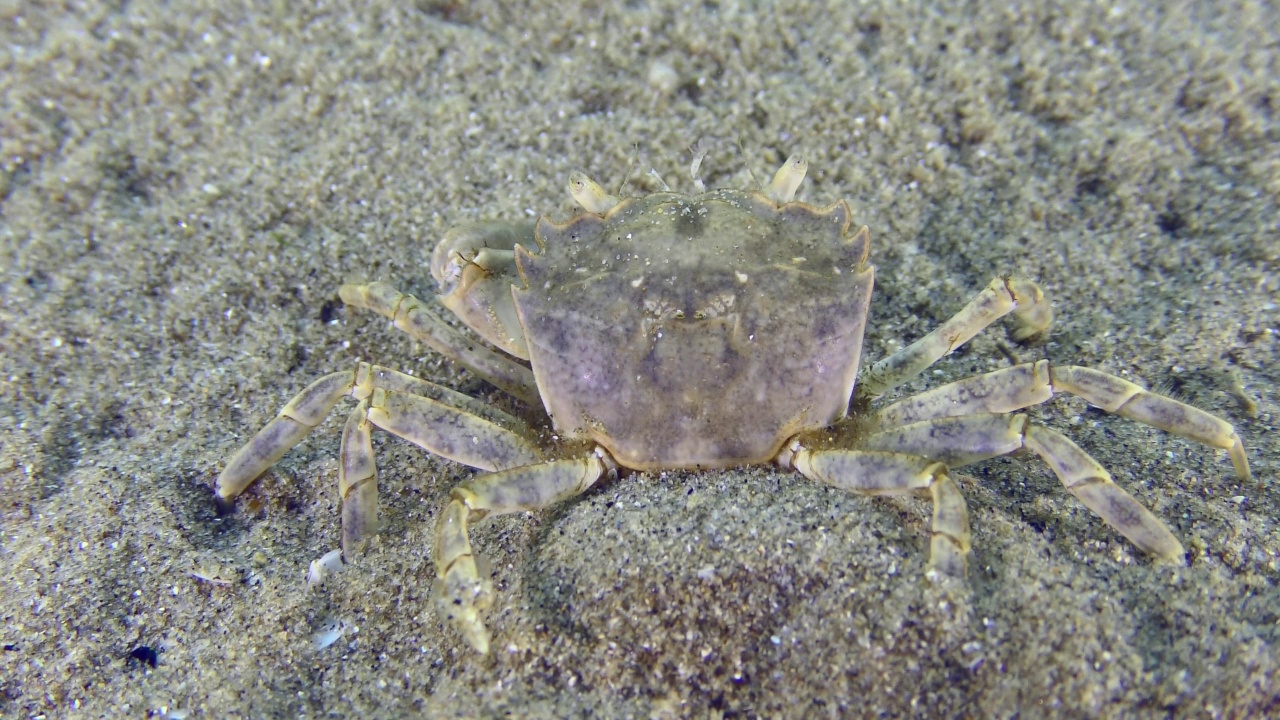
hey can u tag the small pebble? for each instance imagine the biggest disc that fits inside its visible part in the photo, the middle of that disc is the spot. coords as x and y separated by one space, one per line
663 77
328 634
322 568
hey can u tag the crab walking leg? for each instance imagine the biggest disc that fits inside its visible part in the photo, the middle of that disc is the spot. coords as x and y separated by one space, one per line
464 594
357 482
1020 386
965 439
308 409
434 426
410 315
1092 484
1123 398
389 379
953 441
449 432
1000 391
1004 295
297 418
886 473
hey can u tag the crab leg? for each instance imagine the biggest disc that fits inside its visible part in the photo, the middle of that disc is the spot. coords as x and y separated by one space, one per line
1020 386
401 404
887 473
357 482
464 594
1000 391
1119 396
297 418
1004 295
410 315
427 423
965 439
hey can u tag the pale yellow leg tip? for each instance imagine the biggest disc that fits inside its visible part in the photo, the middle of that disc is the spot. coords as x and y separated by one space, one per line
1240 461
462 601
1027 334
1034 314
477 637
355 295
466 620
947 558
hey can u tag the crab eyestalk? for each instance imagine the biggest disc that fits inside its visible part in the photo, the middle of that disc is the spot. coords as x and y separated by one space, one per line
588 193
782 189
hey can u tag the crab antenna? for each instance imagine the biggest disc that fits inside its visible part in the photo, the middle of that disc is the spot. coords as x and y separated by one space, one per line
662 184
699 150
632 164
588 193
747 161
788 178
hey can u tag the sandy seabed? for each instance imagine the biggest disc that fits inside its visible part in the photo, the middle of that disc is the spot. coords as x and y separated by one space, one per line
184 185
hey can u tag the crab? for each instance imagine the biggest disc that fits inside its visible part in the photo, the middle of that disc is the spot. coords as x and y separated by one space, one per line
715 330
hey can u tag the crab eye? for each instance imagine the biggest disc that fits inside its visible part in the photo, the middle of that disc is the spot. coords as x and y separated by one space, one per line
588 193
782 189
